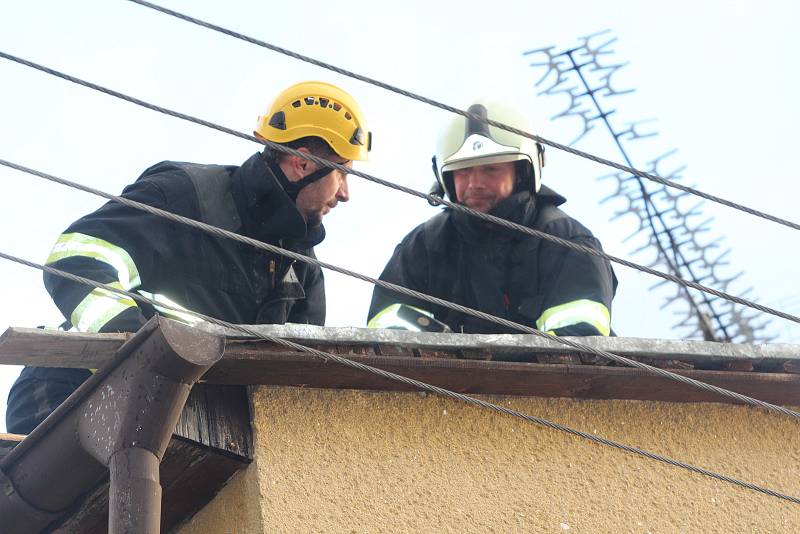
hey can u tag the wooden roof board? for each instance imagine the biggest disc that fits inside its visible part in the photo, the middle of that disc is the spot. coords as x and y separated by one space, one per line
8 442
461 362
33 346
53 348
503 378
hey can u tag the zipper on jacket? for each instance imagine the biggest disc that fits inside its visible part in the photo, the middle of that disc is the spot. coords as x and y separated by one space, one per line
272 272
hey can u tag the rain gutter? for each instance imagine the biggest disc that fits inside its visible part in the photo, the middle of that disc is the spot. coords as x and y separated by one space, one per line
118 423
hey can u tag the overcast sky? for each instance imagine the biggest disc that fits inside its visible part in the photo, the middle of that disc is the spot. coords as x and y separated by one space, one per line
720 77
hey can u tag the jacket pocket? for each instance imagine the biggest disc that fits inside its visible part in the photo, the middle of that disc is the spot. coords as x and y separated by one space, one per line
529 309
279 305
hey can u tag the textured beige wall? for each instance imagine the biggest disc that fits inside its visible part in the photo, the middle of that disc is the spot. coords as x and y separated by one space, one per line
237 509
348 461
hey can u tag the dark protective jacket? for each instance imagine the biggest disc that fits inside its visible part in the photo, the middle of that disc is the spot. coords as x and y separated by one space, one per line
175 264
459 258
225 279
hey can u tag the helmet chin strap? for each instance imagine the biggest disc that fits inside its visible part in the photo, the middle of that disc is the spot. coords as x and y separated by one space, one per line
292 189
525 178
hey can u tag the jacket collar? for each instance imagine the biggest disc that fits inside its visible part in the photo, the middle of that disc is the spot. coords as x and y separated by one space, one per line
520 208
548 196
267 212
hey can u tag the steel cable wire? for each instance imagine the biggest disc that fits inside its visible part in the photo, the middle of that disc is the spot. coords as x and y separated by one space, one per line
326 356
412 382
457 111
430 198
219 232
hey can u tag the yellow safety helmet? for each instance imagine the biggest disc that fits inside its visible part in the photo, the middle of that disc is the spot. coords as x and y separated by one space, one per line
321 110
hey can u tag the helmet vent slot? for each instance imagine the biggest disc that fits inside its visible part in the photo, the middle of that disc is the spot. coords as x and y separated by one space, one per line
358 137
278 120
318 110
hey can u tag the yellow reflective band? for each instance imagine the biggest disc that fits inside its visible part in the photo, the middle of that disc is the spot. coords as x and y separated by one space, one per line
388 318
185 318
577 311
75 244
98 308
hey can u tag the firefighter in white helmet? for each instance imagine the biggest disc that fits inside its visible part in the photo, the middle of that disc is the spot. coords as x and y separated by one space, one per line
457 257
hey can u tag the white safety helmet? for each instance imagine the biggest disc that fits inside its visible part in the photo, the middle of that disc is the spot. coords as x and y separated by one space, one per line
467 142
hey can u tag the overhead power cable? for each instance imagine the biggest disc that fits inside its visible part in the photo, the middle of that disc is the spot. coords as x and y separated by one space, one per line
219 232
451 109
327 356
430 198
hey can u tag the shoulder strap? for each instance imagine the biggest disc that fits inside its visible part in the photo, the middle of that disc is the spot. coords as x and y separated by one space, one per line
212 183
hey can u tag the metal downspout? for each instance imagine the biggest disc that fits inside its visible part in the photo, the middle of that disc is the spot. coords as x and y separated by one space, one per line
119 423
134 493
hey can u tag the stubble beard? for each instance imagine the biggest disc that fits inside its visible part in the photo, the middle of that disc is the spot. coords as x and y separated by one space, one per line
314 219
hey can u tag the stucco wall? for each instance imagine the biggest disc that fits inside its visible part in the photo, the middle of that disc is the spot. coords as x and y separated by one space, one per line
237 509
349 461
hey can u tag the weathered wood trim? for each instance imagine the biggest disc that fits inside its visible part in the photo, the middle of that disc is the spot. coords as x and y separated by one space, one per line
218 416
8 442
31 346
191 475
512 343
769 373
53 348
506 378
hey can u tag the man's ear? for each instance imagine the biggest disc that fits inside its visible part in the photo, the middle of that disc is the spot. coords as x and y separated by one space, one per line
301 166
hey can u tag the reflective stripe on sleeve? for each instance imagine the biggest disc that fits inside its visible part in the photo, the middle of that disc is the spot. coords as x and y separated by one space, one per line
98 308
575 312
388 318
177 315
75 244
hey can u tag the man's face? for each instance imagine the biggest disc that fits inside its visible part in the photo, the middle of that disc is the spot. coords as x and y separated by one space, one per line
482 187
316 200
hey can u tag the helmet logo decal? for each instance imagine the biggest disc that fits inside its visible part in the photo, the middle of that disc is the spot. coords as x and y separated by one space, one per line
477 145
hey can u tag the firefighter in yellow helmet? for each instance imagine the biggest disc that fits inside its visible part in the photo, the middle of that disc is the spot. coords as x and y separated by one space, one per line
272 197
457 257
323 120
